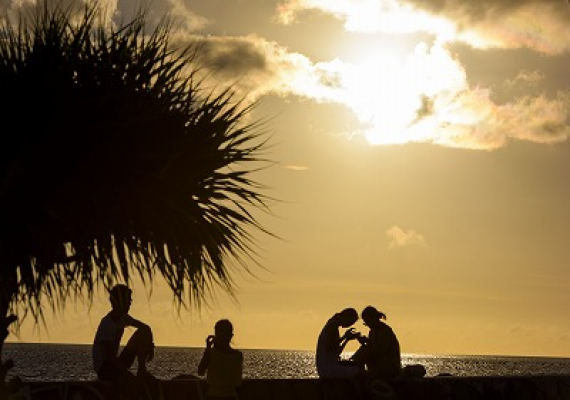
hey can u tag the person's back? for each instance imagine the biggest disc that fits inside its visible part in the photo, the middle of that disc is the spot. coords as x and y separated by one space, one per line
385 358
222 364
325 354
224 372
381 353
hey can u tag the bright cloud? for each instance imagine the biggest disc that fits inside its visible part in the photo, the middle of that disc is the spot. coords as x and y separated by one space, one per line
424 97
294 167
389 16
541 25
402 238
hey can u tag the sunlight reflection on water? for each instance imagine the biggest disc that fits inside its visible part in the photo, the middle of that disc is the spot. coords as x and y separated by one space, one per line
73 362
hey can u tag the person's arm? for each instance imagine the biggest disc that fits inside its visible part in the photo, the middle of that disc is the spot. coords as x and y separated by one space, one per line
135 323
349 335
205 361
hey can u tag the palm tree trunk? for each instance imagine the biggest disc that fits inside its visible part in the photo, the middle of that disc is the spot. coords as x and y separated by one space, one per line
6 320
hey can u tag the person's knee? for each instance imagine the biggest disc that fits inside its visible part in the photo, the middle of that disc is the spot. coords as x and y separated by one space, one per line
140 341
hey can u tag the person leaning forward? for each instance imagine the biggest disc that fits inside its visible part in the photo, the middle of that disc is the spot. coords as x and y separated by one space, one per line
330 346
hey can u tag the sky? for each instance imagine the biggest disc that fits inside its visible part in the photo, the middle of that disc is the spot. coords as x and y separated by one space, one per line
422 166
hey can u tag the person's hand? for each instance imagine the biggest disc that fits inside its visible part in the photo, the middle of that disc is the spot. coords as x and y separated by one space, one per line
210 341
351 334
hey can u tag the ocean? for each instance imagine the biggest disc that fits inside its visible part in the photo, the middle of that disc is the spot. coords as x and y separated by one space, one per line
57 362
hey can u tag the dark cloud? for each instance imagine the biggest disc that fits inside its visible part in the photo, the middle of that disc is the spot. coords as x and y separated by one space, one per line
469 10
426 109
233 57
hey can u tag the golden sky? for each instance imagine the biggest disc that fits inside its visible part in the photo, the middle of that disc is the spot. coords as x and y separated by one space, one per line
423 167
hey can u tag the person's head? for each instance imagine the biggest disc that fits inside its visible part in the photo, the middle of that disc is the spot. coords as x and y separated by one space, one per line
224 331
371 316
347 317
120 296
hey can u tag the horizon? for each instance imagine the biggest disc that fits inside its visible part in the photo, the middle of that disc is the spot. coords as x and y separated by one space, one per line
404 354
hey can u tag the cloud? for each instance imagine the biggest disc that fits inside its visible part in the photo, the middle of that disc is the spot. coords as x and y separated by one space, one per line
389 16
252 65
524 78
472 120
187 20
296 167
234 57
424 97
112 11
25 10
402 238
541 25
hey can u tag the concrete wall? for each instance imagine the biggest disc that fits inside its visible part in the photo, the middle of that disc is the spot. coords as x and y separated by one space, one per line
444 388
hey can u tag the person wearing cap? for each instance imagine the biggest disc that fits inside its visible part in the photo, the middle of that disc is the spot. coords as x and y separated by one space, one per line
107 362
331 344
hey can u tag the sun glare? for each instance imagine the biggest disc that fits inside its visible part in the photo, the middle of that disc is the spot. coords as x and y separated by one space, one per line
394 96
383 97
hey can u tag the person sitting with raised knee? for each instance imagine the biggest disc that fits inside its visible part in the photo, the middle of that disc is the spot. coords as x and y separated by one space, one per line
108 363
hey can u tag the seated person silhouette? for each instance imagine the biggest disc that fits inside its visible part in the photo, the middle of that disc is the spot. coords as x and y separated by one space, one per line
108 363
380 352
223 364
330 346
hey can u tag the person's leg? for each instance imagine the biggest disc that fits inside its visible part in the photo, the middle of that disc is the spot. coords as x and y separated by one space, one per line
340 369
140 346
114 372
120 377
127 358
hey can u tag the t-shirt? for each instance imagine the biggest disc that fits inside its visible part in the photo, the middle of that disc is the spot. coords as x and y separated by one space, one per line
109 330
224 372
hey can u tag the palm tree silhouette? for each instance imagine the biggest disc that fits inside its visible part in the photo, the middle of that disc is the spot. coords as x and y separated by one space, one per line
115 162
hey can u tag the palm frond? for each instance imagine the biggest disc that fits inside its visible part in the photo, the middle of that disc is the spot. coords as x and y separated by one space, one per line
116 163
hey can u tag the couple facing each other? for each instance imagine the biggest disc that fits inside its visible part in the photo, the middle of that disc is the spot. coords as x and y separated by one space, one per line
378 355
221 363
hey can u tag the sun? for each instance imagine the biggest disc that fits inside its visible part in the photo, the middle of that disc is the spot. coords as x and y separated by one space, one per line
395 95
384 98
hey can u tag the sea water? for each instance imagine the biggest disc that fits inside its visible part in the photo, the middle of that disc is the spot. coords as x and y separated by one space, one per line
57 362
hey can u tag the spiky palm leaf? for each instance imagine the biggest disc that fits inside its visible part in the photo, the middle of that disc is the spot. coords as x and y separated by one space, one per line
115 163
